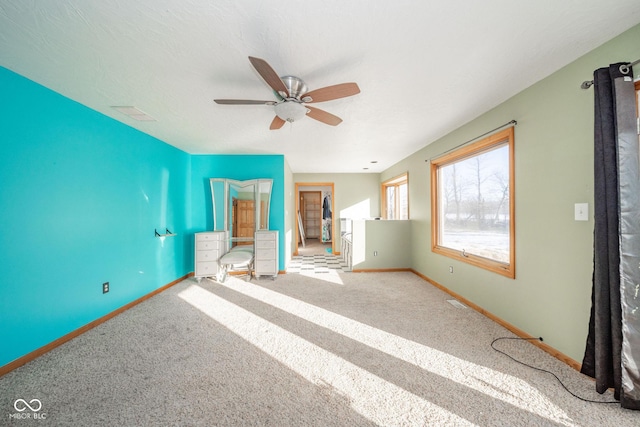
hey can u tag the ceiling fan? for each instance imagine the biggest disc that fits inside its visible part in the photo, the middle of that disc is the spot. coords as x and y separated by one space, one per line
292 94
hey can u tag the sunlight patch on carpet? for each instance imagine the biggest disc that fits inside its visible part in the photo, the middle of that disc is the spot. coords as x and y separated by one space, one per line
496 384
373 397
326 276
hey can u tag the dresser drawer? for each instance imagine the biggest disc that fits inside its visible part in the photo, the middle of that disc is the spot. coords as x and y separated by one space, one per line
209 268
265 244
266 254
202 237
266 267
207 245
211 255
265 236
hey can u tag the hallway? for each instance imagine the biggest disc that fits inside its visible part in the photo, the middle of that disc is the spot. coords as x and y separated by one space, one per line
314 247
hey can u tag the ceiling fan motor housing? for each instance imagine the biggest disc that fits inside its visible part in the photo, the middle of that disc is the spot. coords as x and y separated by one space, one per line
290 109
295 85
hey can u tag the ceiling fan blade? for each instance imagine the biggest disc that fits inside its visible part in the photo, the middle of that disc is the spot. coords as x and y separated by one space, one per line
277 123
332 92
242 102
269 75
323 116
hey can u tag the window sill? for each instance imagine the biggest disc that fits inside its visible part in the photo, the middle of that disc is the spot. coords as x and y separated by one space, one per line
503 269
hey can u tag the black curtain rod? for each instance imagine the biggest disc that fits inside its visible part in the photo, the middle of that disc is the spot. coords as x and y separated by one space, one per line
624 69
510 123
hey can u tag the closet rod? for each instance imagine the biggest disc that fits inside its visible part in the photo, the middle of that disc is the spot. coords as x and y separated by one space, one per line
510 123
624 69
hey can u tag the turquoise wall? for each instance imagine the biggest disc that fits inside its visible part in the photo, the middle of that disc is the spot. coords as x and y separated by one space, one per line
81 197
239 167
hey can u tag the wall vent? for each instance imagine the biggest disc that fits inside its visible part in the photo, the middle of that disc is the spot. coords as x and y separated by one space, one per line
134 113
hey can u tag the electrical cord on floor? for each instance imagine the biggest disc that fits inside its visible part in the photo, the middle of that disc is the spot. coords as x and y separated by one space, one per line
540 369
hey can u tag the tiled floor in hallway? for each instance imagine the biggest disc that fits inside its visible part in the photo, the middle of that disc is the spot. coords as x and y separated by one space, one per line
317 264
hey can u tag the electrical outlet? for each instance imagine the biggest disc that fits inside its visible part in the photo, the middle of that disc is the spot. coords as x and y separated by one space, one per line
451 269
105 287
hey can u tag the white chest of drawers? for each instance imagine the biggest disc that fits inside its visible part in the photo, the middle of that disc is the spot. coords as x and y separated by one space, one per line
209 247
266 253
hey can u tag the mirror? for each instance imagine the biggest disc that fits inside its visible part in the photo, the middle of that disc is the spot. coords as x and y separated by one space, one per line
240 207
217 197
264 197
241 216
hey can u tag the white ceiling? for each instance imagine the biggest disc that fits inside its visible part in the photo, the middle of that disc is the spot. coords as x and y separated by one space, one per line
424 67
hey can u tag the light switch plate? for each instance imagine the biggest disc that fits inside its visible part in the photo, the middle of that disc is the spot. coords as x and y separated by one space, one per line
582 211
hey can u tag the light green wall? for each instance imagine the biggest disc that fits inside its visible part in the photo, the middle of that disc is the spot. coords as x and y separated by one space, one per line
357 195
551 295
381 244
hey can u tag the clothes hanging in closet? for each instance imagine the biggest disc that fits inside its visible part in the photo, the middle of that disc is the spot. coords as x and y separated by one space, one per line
326 218
326 207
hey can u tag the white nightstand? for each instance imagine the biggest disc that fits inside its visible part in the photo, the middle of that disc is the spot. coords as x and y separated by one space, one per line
266 253
209 247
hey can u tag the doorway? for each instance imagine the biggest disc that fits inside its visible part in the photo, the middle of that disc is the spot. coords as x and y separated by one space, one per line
314 219
311 213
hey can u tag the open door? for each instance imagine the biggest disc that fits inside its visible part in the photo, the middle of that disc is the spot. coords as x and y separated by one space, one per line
314 221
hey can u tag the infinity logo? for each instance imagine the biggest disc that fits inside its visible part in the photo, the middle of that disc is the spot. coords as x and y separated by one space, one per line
24 405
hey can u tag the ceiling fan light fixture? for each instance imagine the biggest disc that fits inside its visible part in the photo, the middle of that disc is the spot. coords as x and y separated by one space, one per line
290 111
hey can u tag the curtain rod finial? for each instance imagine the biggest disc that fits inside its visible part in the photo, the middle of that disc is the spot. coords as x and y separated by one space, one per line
586 84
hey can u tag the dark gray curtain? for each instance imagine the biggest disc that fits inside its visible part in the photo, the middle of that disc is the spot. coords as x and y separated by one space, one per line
612 354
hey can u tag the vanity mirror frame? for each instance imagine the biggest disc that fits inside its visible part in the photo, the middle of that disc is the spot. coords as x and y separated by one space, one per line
221 209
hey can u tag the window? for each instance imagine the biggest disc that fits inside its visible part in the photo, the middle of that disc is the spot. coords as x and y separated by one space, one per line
395 197
472 204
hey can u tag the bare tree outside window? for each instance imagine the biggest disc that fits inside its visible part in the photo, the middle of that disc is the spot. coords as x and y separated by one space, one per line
395 197
478 222
472 203
391 202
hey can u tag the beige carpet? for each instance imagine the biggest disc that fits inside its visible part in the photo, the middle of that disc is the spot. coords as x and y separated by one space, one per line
303 350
